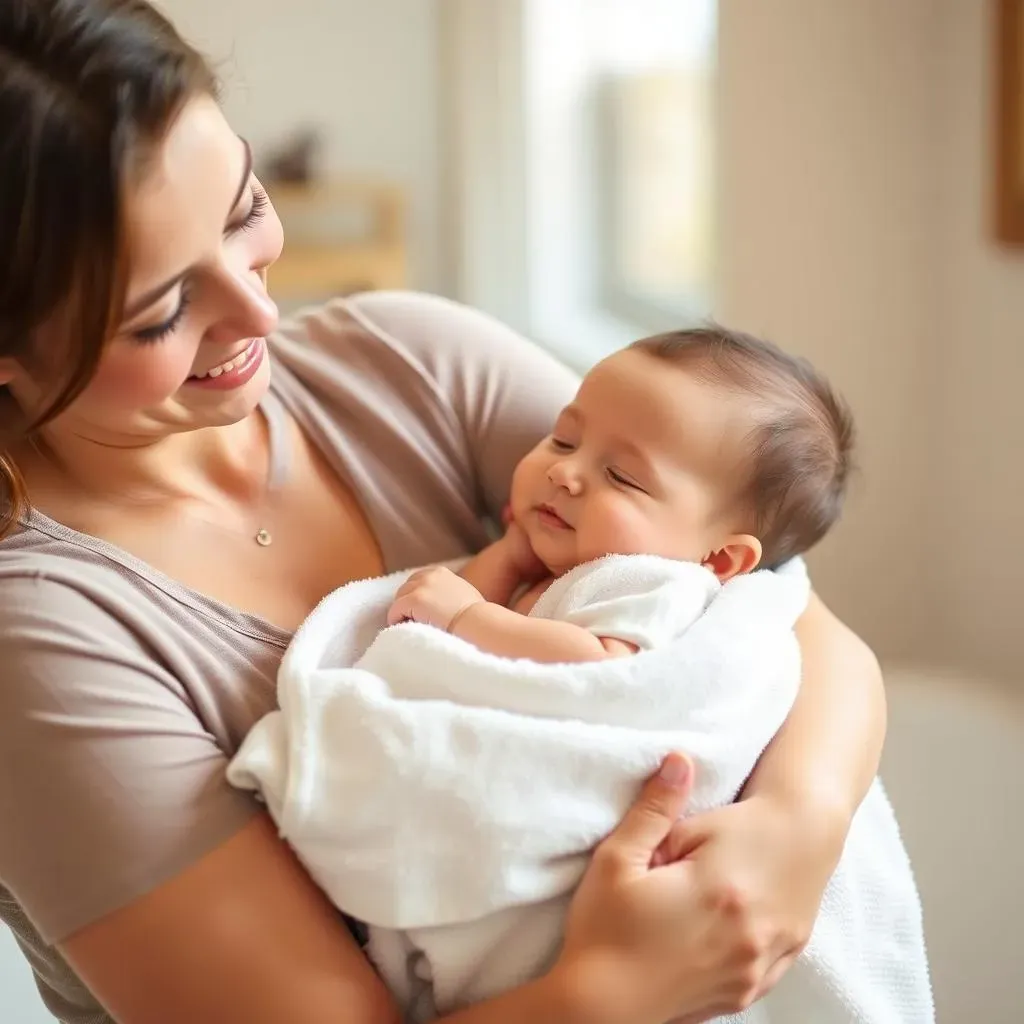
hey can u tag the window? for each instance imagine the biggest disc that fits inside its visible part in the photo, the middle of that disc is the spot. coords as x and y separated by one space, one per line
619 133
580 142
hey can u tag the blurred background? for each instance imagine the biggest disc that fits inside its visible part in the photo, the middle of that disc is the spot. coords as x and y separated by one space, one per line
843 176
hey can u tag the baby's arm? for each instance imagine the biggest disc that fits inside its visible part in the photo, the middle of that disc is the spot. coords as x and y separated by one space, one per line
495 572
439 598
493 628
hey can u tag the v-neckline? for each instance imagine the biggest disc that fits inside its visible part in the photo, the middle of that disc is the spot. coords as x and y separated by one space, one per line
275 406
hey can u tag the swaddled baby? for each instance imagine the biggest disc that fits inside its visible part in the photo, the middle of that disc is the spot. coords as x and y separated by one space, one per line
445 780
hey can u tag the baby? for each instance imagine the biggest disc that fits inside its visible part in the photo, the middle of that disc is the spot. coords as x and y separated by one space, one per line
705 446
444 781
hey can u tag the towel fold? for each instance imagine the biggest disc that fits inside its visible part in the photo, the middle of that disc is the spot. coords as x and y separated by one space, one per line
450 798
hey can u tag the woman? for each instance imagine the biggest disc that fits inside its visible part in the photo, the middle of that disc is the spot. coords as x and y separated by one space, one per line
172 513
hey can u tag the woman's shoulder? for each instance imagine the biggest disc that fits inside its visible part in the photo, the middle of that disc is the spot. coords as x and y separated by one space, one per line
426 368
71 630
431 331
111 764
465 356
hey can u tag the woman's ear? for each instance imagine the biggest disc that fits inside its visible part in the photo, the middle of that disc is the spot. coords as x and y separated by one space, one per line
741 553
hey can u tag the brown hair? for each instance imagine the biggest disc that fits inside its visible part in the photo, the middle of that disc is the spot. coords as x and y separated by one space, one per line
802 440
86 88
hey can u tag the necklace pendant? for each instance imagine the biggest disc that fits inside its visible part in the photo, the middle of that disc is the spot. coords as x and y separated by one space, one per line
263 538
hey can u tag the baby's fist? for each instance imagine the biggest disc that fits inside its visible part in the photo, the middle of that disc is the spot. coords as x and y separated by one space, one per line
521 554
434 596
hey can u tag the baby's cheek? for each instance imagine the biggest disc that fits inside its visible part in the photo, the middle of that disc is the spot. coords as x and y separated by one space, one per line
522 493
623 529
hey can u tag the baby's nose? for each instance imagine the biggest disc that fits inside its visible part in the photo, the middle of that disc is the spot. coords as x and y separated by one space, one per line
565 474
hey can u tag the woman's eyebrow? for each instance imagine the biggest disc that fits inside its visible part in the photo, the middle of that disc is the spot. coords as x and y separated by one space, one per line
144 301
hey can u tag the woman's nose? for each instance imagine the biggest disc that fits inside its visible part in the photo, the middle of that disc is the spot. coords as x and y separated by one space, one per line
247 309
565 474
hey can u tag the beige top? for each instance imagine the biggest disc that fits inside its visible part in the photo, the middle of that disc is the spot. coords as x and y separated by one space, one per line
124 694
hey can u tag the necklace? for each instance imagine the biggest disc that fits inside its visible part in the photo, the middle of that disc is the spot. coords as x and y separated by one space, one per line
277 469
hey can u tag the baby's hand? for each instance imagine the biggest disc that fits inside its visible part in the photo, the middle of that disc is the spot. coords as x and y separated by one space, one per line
521 554
434 596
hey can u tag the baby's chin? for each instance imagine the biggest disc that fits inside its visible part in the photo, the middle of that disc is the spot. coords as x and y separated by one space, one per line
555 555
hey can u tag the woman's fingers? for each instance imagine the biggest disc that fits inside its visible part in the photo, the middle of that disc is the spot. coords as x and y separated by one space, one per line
654 812
683 838
774 974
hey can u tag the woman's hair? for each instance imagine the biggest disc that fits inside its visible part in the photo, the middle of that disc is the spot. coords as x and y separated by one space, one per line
87 89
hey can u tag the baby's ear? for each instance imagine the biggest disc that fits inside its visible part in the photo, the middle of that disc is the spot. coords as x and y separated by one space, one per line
741 553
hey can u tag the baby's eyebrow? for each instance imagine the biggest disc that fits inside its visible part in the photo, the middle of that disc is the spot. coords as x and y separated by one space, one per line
629 448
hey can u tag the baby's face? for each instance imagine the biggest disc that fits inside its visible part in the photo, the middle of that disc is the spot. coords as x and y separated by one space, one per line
646 460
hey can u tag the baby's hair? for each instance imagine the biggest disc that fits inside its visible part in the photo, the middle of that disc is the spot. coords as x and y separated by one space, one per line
801 445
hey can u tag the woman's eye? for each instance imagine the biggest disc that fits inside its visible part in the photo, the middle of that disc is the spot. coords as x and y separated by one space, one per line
158 332
561 446
257 211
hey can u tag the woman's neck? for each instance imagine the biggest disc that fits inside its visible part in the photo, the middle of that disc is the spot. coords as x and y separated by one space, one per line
210 466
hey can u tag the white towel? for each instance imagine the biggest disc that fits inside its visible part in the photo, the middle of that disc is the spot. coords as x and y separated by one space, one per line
450 798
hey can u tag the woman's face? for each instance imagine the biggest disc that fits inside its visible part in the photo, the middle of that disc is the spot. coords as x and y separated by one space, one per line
190 352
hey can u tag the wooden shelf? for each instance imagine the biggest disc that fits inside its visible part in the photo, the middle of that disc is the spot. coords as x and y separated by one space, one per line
318 261
310 270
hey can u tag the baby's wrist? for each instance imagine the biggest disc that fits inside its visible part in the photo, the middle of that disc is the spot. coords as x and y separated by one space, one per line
508 550
460 615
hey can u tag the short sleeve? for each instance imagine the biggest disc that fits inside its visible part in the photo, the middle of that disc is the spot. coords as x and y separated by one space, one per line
109 784
505 390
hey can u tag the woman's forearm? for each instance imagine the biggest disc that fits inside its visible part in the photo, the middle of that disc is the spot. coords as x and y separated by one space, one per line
828 750
552 999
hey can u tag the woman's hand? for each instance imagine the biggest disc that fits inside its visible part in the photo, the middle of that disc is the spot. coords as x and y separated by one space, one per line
771 862
694 938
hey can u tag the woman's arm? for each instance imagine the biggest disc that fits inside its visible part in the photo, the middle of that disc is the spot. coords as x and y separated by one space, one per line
768 857
244 937
827 754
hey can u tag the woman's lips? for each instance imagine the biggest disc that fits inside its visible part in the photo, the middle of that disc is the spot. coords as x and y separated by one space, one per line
238 371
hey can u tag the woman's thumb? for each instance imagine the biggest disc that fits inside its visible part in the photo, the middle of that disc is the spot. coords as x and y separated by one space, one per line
655 810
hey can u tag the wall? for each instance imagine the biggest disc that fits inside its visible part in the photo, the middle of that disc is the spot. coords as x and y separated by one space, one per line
969 875
979 475
828 136
366 71
19 999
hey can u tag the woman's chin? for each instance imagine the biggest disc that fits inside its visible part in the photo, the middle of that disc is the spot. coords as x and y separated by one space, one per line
213 408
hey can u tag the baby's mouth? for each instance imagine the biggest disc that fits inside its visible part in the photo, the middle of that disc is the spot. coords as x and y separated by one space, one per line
549 517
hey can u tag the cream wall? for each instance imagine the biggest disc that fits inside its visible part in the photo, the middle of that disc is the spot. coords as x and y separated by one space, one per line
366 70
828 133
978 496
